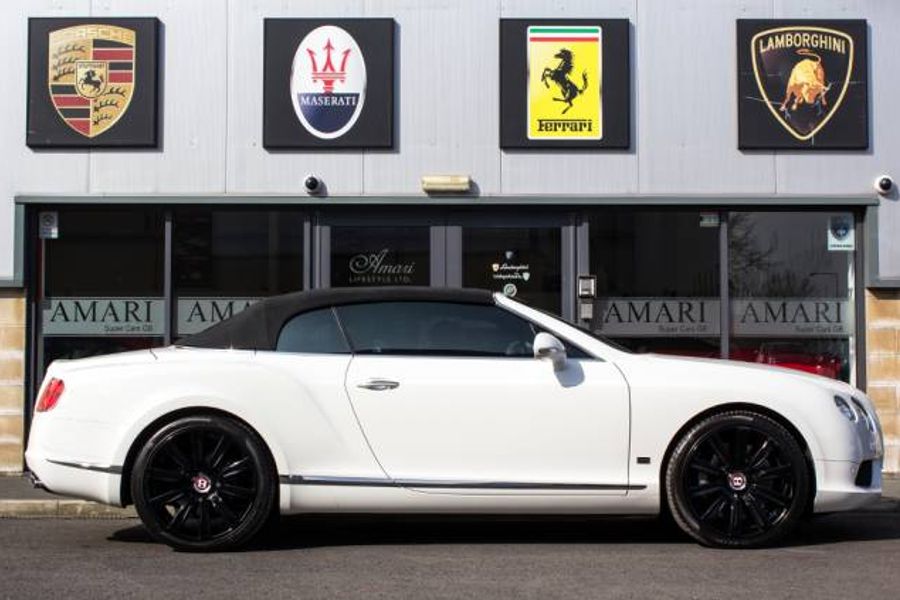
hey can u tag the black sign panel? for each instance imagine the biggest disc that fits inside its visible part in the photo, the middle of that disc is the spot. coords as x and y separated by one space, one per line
565 83
329 83
92 83
802 84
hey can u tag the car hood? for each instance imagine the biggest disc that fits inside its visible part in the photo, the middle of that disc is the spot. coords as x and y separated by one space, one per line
741 372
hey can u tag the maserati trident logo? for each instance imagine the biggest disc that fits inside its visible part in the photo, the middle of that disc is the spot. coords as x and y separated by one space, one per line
91 75
803 73
328 82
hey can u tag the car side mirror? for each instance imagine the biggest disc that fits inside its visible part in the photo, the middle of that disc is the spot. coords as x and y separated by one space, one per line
549 346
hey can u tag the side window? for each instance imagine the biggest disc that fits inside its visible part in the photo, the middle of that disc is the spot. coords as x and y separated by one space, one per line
314 332
436 328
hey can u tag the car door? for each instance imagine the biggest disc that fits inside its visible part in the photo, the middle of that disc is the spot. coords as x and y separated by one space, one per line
451 398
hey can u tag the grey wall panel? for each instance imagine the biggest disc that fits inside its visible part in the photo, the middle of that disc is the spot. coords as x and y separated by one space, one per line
683 100
854 172
25 170
687 104
588 172
191 157
251 168
447 108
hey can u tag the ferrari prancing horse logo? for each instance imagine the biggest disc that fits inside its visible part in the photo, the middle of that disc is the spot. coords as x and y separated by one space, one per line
91 75
803 73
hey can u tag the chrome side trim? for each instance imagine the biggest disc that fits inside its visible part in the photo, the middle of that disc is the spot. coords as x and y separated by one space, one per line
113 469
439 484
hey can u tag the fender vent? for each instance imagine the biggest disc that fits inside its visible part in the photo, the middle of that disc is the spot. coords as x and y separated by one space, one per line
864 475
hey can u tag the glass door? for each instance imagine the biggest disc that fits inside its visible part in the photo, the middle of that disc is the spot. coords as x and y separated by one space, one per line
525 257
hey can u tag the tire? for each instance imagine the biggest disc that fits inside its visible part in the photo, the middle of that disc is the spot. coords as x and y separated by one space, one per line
737 479
204 483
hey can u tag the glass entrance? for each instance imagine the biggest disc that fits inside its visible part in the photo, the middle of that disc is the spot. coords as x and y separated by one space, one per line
521 262
521 257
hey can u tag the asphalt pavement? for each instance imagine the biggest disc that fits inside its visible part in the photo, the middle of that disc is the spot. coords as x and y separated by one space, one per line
853 555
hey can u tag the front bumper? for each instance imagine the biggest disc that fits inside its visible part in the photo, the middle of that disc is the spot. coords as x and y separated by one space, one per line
838 488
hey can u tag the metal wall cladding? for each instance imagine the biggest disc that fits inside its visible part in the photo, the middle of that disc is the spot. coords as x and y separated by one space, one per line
446 112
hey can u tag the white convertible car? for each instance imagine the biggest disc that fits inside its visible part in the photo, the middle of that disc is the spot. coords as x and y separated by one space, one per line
415 400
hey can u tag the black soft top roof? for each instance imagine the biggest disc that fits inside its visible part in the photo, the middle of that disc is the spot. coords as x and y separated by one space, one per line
257 327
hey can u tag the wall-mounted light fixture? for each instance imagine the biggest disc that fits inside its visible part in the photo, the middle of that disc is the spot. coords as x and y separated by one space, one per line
432 184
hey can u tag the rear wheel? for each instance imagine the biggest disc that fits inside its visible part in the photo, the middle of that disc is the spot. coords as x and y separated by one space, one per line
204 483
737 479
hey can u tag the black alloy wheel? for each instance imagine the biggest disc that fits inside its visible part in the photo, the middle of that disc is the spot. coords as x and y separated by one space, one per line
737 479
204 483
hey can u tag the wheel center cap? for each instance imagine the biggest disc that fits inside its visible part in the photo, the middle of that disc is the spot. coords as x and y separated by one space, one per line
202 484
737 481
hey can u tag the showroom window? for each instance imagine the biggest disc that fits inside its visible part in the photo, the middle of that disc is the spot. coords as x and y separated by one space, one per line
657 280
225 260
791 279
102 288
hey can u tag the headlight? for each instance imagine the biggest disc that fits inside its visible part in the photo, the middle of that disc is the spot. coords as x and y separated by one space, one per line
860 409
845 408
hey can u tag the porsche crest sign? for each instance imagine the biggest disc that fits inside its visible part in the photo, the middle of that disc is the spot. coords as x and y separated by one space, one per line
92 82
90 75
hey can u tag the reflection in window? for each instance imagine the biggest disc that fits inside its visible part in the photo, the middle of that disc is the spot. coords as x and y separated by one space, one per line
657 280
108 253
237 252
103 283
791 283
224 260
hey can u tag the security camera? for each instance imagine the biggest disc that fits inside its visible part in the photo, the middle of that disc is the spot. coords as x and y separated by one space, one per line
312 184
884 184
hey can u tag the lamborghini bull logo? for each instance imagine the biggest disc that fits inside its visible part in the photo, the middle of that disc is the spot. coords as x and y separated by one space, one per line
796 69
806 84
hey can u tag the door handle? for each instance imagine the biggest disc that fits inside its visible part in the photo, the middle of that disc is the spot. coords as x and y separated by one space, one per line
379 385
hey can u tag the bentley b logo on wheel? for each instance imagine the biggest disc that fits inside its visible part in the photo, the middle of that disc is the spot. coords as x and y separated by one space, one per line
803 74
91 75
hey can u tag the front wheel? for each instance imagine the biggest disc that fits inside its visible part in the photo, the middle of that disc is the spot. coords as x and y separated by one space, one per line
737 479
204 483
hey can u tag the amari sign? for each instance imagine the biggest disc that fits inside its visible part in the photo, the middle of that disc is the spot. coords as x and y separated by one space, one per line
782 317
700 317
196 314
86 317
659 317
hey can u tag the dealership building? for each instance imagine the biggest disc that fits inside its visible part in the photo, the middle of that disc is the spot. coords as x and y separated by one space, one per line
711 179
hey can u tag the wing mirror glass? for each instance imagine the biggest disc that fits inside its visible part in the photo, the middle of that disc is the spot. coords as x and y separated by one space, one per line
549 347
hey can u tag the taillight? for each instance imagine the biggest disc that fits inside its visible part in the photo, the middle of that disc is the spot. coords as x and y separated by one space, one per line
50 395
